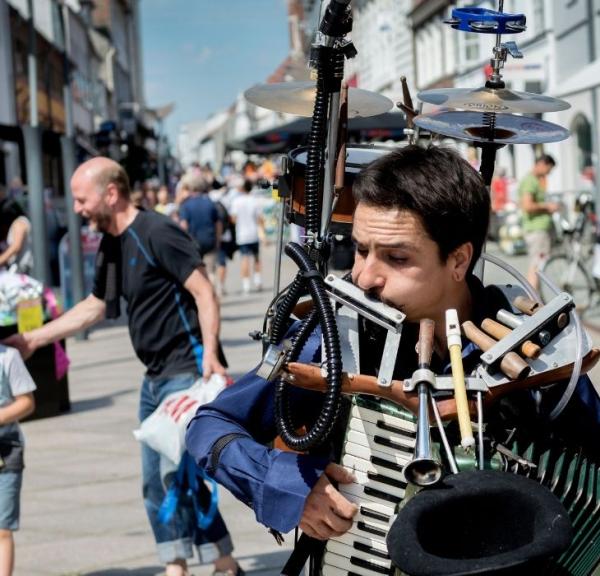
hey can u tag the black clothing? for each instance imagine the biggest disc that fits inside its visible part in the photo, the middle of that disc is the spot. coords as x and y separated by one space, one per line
147 265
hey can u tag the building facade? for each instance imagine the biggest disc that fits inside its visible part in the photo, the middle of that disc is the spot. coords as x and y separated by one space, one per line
93 48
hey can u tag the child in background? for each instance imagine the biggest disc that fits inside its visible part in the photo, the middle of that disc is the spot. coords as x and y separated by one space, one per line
16 402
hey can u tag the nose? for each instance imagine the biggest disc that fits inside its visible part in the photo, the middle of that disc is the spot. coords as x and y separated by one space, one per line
367 274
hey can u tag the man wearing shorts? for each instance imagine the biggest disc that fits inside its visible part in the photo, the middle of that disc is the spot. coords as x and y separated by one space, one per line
537 214
246 213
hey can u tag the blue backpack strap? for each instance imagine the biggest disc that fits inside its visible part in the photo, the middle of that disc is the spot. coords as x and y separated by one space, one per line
196 346
204 518
169 504
189 477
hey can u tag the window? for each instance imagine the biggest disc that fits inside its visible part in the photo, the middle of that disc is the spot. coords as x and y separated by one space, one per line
470 47
582 131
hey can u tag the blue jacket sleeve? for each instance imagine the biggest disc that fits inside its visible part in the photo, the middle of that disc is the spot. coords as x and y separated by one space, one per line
272 482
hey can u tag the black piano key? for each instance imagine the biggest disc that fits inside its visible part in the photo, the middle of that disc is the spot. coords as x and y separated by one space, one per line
369 565
395 445
368 513
386 464
381 495
364 527
386 480
395 429
370 550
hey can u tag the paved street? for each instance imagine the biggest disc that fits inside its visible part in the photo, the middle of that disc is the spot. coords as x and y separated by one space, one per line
82 513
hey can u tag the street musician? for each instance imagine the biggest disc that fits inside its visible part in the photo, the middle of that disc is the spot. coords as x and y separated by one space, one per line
419 226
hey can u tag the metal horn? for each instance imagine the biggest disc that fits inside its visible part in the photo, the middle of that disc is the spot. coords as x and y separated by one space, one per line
423 470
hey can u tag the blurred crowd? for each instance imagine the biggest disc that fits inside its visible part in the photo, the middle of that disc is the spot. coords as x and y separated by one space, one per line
227 213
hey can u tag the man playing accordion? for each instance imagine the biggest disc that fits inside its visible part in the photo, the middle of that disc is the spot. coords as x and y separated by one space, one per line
419 226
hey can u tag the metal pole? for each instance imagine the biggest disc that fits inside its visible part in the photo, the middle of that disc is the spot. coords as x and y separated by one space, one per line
33 155
279 247
67 146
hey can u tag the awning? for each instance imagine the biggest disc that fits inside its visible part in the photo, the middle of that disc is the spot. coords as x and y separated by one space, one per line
388 126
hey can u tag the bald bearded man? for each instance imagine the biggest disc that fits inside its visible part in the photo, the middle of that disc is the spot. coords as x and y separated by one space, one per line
173 317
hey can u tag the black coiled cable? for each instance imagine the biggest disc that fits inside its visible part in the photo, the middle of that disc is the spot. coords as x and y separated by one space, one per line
323 314
314 154
284 310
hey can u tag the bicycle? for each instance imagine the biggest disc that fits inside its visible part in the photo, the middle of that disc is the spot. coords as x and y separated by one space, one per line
568 269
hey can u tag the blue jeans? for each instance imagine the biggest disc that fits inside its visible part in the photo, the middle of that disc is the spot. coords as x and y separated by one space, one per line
176 539
10 493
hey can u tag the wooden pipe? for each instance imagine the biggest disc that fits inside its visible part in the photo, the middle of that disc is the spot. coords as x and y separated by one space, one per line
530 307
309 376
511 364
499 331
526 305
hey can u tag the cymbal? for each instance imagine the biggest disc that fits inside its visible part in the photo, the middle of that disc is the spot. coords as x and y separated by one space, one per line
509 128
299 98
493 100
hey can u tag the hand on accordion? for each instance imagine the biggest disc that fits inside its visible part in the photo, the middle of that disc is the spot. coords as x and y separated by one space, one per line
327 513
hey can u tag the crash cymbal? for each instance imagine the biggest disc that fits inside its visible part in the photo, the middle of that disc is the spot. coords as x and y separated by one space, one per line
493 100
508 128
299 98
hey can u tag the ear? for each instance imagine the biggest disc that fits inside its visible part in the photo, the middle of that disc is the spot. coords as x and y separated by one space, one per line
460 260
111 195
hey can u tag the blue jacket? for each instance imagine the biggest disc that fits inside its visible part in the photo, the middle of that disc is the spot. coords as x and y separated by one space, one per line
272 482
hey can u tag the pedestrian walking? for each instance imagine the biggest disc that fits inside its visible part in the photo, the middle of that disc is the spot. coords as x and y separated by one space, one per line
246 213
16 402
537 215
223 200
173 317
200 217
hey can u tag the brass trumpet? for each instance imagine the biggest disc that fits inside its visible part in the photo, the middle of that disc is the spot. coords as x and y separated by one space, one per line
423 470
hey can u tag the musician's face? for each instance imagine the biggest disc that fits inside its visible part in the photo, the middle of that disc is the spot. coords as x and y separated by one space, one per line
397 261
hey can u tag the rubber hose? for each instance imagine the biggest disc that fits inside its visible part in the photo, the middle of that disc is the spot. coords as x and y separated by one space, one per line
284 310
331 404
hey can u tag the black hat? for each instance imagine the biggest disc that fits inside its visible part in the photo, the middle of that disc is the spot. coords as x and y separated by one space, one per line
479 522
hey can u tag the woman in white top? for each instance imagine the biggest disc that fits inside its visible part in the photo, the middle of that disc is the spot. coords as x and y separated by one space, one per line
15 232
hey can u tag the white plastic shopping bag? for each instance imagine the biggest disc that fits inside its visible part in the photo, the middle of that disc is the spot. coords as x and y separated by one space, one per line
164 430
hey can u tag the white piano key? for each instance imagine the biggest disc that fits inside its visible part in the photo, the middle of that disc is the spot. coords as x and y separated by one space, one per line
327 570
350 552
372 430
367 452
349 539
366 492
378 484
363 439
369 528
375 417
336 562
366 466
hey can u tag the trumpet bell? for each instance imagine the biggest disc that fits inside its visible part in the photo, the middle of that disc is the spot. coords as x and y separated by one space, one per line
479 522
423 472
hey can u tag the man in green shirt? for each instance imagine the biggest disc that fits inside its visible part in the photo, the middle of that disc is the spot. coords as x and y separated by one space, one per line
537 219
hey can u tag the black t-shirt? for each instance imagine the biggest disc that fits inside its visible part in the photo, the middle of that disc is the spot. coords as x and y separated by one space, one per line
148 265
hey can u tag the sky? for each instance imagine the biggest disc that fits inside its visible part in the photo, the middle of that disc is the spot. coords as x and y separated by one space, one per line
200 54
